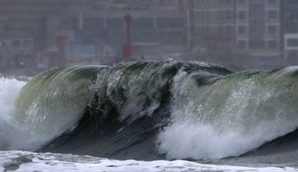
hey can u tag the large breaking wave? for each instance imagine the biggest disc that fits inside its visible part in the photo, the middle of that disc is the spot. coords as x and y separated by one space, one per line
149 110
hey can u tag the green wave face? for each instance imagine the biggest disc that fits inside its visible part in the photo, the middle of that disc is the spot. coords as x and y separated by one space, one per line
244 109
214 117
240 101
54 101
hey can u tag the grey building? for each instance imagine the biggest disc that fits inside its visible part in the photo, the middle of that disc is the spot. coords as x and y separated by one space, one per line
289 34
29 17
248 25
162 21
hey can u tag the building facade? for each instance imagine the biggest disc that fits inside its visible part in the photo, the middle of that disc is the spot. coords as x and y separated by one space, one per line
29 17
96 22
249 25
259 27
16 51
289 13
153 21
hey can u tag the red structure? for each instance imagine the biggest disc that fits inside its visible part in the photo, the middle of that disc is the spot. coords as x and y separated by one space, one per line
126 49
61 41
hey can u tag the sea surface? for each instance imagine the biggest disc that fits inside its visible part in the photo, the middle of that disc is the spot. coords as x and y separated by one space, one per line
150 116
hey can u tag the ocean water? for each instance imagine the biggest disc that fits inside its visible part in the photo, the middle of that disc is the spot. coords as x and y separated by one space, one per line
150 116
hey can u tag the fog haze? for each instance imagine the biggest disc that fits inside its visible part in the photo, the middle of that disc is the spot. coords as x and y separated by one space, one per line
36 35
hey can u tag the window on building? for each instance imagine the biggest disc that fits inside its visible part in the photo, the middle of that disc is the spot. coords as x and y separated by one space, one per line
118 1
203 30
197 30
92 24
257 44
207 29
16 43
169 23
202 1
28 43
272 44
272 29
202 15
180 2
292 42
241 30
191 3
272 14
207 14
143 24
144 36
225 1
198 16
228 30
220 29
170 3
229 14
241 1
241 44
220 14
114 23
162 2
271 1
241 14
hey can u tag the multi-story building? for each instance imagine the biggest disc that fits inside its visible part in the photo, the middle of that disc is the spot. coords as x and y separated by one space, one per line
29 17
289 34
211 22
249 25
153 21
97 21
262 24
16 51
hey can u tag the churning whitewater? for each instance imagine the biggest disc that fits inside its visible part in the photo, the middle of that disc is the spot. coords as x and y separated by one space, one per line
149 110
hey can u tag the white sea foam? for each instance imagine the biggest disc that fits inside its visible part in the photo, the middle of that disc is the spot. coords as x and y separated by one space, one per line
9 89
226 119
51 111
48 162
201 141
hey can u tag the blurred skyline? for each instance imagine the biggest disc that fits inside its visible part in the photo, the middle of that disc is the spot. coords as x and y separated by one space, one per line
46 32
